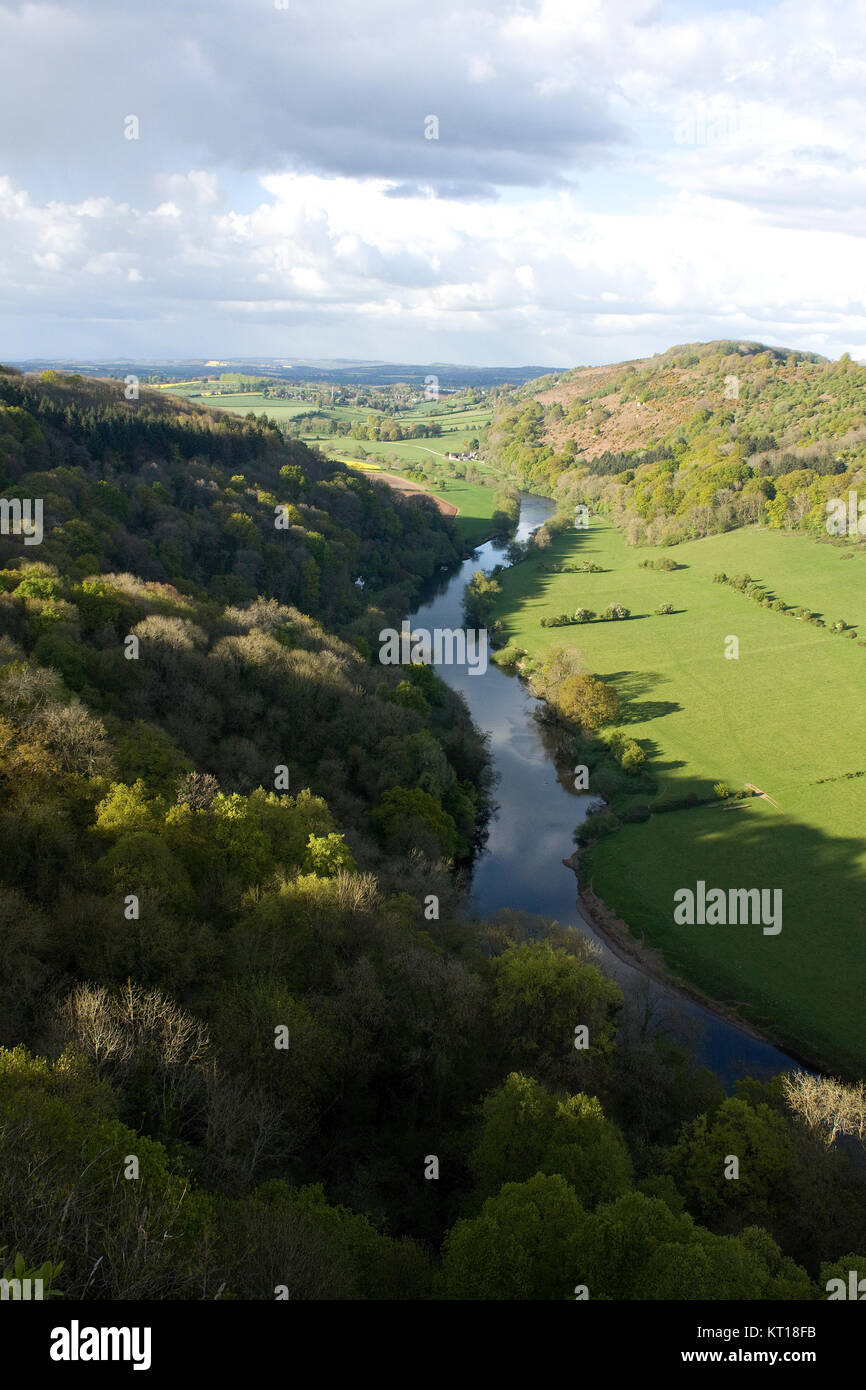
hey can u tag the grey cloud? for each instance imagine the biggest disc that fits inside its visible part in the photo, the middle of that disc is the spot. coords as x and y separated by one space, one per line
335 88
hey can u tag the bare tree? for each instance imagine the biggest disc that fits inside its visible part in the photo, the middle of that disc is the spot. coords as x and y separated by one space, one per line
197 790
827 1106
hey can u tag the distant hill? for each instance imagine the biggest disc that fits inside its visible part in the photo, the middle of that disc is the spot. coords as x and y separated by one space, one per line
452 376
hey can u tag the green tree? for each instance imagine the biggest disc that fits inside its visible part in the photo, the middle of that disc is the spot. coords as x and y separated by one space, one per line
525 1130
408 817
522 1245
584 699
762 1142
328 855
541 995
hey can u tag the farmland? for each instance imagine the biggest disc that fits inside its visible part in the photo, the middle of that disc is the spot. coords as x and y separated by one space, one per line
786 716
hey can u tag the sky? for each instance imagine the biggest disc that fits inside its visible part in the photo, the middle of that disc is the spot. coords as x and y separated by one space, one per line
554 182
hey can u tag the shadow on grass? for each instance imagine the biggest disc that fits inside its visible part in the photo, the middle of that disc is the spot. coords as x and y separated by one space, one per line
807 983
630 686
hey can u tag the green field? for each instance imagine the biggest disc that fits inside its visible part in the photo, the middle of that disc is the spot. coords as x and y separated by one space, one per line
242 402
459 425
474 500
429 453
459 428
784 716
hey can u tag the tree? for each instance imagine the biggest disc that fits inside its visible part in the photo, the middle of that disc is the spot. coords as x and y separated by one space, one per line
523 1245
827 1106
409 818
526 1130
197 790
633 756
618 1240
141 863
559 664
584 699
762 1142
147 752
541 995
58 1119
479 599
328 855
279 1235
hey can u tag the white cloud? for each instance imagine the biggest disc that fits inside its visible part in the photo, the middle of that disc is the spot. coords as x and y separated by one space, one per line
444 273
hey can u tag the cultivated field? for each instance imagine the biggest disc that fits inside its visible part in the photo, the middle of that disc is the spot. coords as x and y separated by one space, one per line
787 716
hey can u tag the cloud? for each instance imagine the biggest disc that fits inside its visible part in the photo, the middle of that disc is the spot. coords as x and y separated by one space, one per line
321 257
323 87
607 179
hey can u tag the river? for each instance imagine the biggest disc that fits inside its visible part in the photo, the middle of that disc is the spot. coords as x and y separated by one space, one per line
532 830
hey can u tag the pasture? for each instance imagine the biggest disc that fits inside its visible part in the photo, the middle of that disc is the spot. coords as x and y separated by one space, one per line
787 715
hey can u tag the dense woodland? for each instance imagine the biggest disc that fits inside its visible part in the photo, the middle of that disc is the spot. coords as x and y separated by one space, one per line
232 945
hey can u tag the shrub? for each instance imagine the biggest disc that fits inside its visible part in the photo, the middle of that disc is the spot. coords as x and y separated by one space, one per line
583 615
665 608
607 783
596 826
614 612
508 657
633 756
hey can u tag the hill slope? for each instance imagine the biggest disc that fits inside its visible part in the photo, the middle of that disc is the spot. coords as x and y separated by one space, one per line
693 441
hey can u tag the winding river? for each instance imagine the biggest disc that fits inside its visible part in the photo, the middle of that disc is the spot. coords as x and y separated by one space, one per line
531 833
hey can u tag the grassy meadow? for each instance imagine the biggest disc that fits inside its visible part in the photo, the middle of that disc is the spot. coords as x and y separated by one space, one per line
786 716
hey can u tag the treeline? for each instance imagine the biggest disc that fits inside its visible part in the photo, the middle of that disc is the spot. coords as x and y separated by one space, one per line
377 428
758 593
